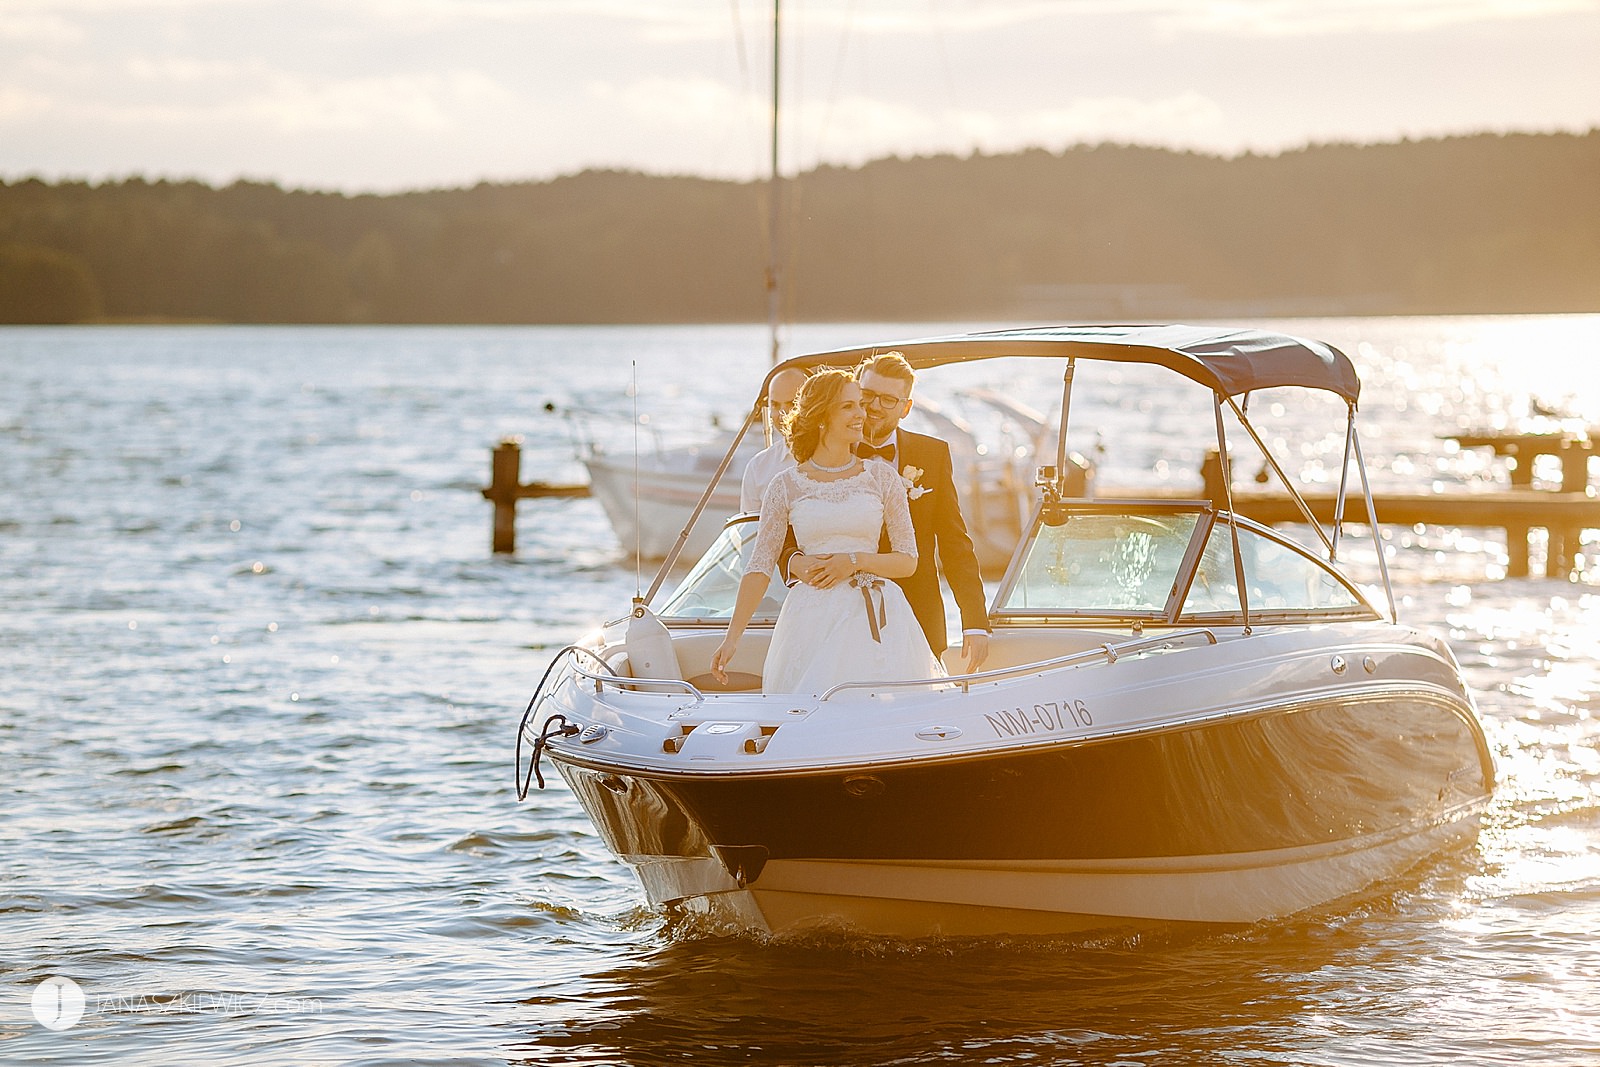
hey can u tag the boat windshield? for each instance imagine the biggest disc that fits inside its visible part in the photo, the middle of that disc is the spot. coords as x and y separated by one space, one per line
1162 562
711 586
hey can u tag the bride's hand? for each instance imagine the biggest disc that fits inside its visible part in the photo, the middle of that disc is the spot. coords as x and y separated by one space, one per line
720 659
832 569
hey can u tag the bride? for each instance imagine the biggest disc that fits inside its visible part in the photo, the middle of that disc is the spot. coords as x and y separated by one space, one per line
852 624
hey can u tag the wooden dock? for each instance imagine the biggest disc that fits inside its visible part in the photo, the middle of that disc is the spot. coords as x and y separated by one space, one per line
1564 514
1516 511
1573 448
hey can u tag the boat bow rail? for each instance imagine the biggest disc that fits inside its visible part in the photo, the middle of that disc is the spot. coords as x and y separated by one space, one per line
1110 651
535 702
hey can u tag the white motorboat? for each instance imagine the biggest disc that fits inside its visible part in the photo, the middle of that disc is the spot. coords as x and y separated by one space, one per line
648 502
1186 717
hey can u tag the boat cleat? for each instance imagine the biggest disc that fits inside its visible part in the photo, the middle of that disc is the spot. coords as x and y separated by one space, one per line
715 740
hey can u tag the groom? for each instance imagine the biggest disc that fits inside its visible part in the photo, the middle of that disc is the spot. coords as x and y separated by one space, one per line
924 463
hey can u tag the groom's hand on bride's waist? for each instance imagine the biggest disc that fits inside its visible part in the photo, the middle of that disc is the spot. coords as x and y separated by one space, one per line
822 571
805 568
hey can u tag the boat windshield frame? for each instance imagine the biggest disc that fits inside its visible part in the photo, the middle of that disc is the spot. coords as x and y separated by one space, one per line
1229 362
733 545
1189 551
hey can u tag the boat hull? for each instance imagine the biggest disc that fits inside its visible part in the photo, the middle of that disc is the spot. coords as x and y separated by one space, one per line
1231 820
953 899
648 507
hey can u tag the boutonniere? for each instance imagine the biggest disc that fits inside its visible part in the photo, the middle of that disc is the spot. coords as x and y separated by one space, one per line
909 476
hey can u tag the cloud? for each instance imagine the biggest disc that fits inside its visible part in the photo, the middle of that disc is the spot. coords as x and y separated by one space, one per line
1310 18
688 102
20 104
860 128
421 103
193 93
393 92
39 30
1188 118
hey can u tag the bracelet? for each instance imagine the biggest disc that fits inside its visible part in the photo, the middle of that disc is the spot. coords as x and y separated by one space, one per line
854 564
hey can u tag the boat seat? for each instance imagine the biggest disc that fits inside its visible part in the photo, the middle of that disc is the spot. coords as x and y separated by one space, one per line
744 673
738 682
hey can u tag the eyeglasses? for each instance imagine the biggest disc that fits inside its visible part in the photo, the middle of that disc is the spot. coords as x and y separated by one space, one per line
871 399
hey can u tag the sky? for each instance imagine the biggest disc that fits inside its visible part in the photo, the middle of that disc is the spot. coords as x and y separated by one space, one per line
388 95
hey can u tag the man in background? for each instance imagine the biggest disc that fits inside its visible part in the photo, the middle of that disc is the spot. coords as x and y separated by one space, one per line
765 465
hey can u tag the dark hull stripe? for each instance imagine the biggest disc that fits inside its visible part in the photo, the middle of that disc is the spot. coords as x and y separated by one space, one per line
1331 772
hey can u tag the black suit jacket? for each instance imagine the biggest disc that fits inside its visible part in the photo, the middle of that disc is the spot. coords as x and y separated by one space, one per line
942 542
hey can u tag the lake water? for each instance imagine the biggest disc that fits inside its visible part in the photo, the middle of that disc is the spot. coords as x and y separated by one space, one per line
261 677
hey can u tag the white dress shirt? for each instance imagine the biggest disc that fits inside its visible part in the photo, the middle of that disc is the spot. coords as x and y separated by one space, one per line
759 472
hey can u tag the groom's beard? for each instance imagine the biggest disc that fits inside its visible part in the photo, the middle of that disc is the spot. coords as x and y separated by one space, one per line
876 432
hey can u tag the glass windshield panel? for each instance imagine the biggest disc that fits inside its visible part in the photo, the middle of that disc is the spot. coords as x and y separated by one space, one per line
1108 564
1279 577
711 586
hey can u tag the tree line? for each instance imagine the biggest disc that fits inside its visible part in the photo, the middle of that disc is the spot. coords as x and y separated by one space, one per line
1476 224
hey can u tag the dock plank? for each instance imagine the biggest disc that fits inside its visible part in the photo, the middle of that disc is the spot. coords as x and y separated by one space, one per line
1564 515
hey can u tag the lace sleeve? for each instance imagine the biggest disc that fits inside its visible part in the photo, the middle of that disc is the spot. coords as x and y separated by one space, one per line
896 511
773 527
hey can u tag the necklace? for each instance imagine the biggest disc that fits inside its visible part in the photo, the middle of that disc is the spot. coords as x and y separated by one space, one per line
833 470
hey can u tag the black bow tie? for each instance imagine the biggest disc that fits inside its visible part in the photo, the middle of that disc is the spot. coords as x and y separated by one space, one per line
866 451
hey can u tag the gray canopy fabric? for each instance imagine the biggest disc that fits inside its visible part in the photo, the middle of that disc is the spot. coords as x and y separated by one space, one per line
1228 361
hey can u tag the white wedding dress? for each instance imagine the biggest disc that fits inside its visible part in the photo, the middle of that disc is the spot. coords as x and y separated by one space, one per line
861 632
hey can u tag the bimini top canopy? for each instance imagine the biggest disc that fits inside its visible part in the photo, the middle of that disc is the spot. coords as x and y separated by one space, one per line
1229 362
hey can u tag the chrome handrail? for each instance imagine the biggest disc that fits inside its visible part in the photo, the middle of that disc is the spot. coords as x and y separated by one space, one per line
592 654
1111 652
621 681
536 702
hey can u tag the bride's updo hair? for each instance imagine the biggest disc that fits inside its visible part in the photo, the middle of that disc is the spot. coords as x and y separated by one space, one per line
803 425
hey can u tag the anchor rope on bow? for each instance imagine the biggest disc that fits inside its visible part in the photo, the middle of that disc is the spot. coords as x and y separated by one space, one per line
556 724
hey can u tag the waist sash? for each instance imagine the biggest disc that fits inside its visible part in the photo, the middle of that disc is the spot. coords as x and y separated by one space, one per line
871 587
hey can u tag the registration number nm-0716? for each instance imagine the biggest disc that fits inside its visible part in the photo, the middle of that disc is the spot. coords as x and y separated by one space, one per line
1040 718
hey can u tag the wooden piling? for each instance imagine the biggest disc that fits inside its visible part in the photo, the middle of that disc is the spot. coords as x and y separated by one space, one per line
506 488
1567 541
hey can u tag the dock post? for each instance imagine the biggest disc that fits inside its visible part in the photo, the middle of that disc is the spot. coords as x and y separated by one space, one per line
1521 464
1565 541
1516 551
1211 478
506 488
505 477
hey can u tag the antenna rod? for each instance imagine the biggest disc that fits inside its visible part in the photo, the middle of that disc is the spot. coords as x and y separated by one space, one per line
638 532
774 195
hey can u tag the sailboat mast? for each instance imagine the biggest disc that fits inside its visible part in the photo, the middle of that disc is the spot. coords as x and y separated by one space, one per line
774 195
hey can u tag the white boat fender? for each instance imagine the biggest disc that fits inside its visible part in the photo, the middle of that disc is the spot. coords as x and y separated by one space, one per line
650 652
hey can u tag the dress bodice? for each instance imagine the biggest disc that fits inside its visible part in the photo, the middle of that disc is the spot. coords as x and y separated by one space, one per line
846 515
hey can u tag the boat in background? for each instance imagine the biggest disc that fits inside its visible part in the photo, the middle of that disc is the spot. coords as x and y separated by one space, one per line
1187 717
649 501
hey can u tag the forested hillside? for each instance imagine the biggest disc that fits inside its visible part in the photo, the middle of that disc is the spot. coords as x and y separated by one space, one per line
1461 225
